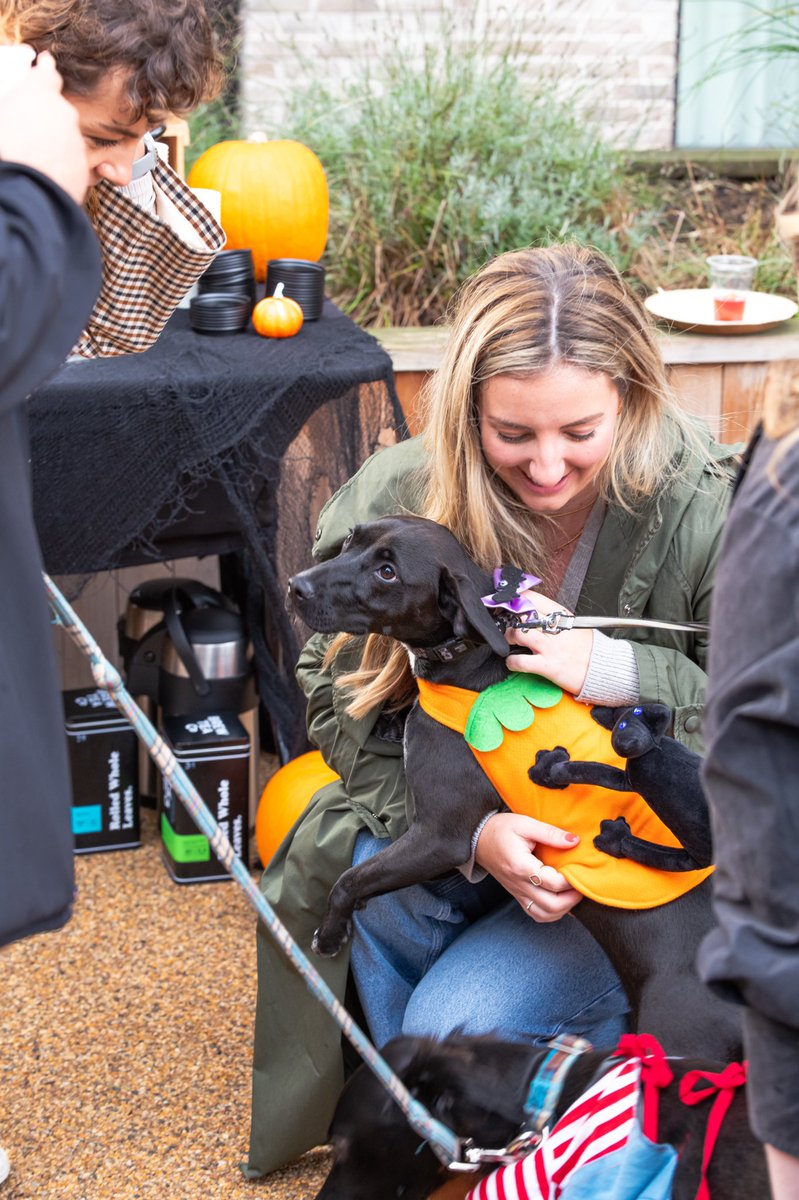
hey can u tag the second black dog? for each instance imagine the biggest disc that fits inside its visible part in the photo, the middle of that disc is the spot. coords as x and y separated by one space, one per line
477 1087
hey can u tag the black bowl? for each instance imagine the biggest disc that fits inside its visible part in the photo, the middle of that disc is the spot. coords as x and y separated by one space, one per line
230 271
231 262
303 281
220 312
237 285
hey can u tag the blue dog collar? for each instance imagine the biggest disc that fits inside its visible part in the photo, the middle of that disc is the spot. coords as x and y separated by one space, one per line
547 1083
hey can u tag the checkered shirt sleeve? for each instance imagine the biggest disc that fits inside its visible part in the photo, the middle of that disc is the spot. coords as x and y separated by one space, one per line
147 269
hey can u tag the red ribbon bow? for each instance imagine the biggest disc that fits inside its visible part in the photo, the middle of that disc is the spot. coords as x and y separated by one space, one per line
722 1085
656 1074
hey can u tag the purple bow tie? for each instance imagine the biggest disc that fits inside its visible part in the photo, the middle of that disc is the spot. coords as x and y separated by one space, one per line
509 582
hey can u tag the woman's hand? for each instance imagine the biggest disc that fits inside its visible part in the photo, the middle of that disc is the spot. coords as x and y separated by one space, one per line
561 657
506 849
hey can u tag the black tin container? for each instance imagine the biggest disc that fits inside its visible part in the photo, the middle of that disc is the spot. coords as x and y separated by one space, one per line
214 751
104 763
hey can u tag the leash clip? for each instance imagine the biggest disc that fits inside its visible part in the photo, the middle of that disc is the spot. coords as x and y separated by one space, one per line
554 622
477 1156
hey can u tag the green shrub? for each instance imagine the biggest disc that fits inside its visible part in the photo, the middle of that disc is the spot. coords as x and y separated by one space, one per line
438 163
435 168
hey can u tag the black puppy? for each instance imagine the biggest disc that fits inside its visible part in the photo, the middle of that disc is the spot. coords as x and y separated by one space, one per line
412 580
477 1087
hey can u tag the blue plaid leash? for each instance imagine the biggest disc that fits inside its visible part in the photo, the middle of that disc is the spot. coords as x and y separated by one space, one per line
442 1141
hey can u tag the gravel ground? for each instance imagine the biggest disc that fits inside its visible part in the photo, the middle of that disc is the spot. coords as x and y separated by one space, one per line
126 1043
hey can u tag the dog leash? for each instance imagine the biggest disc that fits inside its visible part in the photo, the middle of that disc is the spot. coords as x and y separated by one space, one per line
443 1142
511 609
559 622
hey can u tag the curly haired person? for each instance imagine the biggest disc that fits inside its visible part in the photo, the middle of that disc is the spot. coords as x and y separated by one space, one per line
126 66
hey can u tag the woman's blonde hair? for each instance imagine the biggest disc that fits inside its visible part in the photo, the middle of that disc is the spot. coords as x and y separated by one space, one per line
524 313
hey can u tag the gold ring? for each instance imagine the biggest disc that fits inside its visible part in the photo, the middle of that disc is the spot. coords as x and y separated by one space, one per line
529 905
535 880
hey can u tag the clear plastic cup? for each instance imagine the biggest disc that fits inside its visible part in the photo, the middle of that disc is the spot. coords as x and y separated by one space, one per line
731 277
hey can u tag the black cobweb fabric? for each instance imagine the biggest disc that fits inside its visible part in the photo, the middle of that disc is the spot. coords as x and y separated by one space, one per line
207 444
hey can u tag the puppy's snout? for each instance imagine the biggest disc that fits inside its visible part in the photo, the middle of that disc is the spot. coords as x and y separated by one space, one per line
301 588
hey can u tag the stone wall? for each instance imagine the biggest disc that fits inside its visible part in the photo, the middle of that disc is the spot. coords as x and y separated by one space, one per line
620 55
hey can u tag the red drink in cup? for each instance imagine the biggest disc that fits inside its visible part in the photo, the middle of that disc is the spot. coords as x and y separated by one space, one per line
729 306
731 277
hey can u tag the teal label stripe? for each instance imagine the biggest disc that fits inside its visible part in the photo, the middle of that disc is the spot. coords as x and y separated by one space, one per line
185 847
87 818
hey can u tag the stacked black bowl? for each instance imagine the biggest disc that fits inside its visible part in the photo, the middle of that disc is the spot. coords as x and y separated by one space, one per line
303 281
231 271
220 312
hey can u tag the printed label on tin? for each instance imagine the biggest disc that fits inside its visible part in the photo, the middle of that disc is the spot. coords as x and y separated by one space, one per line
121 808
234 833
88 818
212 724
98 699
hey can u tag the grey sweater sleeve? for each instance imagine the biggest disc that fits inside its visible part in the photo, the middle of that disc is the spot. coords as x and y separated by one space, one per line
612 676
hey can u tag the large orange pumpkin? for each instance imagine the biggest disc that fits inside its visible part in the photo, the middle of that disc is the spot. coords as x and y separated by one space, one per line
285 798
275 199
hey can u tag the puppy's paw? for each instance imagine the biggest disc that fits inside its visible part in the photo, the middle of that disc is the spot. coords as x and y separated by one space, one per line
614 833
551 768
328 941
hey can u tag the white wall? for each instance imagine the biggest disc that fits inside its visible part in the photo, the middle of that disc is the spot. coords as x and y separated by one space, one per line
620 53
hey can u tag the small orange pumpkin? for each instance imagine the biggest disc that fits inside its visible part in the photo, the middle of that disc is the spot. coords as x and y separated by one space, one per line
286 797
277 316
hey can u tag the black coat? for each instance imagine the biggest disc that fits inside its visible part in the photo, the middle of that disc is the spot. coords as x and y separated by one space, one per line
49 277
751 775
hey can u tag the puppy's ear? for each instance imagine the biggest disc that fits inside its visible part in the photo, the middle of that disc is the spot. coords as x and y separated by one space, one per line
459 601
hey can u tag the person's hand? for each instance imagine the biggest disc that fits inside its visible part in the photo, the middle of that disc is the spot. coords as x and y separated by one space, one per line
506 849
561 657
38 127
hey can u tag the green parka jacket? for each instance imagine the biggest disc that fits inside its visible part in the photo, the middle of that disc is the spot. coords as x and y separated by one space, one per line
658 564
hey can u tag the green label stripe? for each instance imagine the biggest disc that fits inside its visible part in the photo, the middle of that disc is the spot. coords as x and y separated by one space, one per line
185 847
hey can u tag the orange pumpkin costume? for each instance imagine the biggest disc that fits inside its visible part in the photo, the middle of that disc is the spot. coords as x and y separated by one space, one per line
510 737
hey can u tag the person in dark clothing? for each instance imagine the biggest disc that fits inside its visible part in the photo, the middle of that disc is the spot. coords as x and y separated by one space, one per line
49 279
750 776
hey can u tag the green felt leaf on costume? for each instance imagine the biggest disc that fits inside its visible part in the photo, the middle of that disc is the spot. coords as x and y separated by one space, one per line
510 704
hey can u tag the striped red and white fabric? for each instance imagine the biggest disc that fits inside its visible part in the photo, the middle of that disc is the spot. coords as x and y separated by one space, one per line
597 1124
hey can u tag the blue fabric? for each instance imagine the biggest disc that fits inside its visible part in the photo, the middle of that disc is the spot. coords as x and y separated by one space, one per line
432 959
641 1170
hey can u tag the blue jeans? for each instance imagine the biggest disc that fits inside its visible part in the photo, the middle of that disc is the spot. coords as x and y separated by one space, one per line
453 955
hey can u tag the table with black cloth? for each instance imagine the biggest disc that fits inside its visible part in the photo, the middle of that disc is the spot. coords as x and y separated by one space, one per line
212 445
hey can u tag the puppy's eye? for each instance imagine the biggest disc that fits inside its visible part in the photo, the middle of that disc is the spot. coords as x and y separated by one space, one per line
387 572
347 540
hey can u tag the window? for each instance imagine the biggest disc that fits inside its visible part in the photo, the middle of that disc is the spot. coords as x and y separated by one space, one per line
738 76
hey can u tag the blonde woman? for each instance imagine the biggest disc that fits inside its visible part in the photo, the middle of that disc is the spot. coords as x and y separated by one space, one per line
552 441
750 777
127 65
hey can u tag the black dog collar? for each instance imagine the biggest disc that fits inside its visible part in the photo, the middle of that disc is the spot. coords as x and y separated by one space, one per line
446 651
